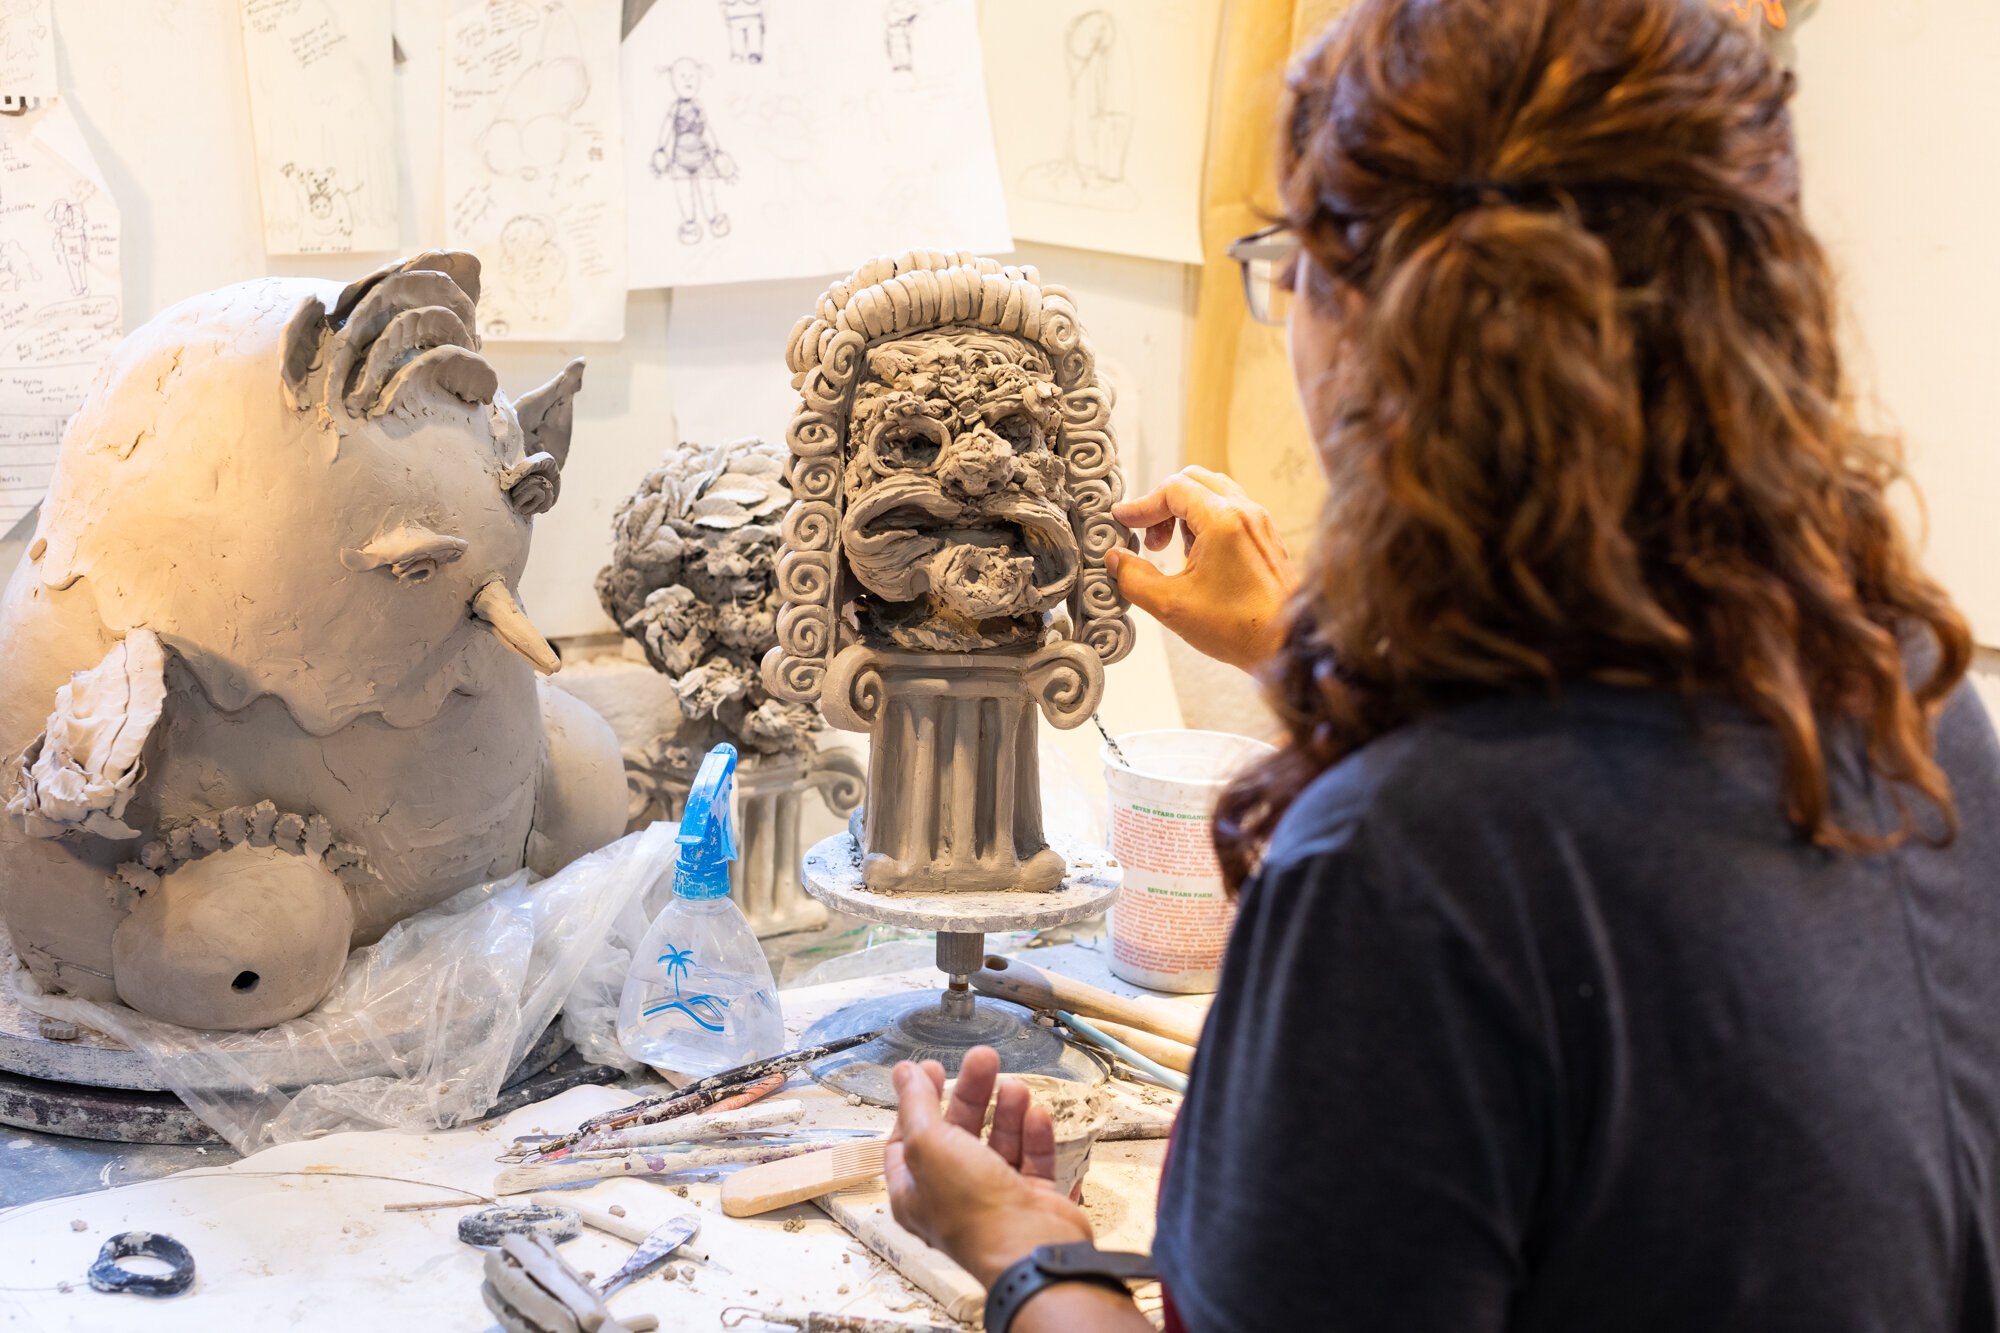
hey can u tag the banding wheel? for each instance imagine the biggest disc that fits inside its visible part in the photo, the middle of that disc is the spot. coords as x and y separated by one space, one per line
944 1025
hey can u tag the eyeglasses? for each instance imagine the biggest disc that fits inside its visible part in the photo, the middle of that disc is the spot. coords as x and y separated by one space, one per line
1270 263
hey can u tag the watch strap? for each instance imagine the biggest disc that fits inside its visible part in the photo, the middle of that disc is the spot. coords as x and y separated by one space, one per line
1047 1265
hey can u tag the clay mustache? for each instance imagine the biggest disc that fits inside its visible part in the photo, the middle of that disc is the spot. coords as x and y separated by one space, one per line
1001 555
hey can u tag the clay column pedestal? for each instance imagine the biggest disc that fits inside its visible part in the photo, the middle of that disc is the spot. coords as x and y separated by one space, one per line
954 780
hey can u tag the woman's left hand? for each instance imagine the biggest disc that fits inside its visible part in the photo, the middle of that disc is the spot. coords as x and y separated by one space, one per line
986 1204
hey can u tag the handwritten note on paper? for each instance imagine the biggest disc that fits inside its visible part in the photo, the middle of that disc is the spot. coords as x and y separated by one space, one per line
322 109
533 178
60 312
1100 115
27 49
790 138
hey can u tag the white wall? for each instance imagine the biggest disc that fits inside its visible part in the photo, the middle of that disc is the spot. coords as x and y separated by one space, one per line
1899 128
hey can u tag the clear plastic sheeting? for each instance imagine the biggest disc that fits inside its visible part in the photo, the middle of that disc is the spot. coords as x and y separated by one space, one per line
590 1013
422 1027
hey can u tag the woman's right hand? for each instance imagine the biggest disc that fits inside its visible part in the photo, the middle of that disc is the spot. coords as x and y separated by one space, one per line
1229 601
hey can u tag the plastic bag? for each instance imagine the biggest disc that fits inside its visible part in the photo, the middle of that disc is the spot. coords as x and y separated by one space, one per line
590 1012
423 1025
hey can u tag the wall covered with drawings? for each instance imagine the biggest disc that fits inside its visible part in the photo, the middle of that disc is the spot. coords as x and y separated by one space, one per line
161 99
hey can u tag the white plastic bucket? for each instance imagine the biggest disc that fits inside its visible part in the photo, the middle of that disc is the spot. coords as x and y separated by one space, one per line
1172 919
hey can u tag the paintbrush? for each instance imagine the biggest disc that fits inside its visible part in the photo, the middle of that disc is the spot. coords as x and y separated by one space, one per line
759 1189
704 1092
695 1126
535 1176
705 1128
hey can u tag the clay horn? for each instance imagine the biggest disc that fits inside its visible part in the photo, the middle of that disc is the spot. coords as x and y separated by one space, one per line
546 413
495 605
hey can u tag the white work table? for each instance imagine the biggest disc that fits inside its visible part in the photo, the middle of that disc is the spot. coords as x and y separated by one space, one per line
284 1239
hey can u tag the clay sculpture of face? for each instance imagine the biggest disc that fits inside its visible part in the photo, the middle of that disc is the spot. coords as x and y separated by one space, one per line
957 523
269 686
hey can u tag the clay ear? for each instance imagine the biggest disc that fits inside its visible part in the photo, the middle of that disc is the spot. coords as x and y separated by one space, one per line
303 333
546 413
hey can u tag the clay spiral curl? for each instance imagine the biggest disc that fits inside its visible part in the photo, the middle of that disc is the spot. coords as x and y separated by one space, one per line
1065 689
814 478
805 577
1088 454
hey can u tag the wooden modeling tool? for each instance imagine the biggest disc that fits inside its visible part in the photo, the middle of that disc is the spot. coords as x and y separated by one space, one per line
1026 984
1172 1054
815 1322
759 1189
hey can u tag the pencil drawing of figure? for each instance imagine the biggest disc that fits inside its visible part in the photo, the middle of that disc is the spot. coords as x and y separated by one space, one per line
16 269
327 213
898 20
745 19
689 156
530 287
530 134
21 31
1091 171
72 243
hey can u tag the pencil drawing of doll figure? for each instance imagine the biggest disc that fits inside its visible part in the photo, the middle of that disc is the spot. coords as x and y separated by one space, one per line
689 156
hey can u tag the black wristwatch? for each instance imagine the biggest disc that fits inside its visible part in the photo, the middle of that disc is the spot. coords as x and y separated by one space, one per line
1077 1261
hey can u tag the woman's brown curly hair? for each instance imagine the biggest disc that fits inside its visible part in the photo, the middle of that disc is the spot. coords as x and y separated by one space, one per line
1587 419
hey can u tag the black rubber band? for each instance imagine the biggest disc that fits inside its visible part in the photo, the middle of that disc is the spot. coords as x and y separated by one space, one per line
107 1274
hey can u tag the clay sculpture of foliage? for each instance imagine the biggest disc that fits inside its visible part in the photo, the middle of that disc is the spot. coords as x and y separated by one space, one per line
692 580
269 687
943 572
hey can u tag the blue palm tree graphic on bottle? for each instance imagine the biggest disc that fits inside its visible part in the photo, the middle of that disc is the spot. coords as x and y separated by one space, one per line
705 1010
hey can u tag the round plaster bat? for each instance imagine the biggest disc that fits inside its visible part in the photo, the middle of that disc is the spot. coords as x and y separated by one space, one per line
244 938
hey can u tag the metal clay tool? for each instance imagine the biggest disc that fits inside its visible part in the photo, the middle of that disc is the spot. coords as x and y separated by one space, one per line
530 1289
652 1251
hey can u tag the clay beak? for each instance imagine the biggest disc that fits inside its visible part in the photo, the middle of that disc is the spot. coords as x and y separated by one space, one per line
495 605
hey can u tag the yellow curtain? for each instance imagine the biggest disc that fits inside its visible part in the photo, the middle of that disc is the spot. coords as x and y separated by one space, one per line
1243 415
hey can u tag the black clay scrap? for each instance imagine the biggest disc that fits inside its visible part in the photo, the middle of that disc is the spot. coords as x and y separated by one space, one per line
487 1226
107 1274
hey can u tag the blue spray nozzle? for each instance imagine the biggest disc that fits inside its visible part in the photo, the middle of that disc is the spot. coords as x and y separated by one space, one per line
708 829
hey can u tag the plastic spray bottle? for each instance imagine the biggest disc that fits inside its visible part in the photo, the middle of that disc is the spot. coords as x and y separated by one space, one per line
699 998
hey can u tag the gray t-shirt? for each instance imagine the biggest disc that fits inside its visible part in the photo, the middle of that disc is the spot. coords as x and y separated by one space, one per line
1540 1017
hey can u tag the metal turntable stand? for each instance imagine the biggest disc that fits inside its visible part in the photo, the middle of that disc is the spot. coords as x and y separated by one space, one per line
943 1026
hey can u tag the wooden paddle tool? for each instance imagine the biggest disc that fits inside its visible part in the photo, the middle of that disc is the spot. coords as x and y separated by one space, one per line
759 1189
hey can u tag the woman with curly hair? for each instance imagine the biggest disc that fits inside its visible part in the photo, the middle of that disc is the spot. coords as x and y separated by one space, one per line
1618 941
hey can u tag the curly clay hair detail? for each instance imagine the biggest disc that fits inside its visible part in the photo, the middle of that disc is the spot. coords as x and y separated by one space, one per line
1587 422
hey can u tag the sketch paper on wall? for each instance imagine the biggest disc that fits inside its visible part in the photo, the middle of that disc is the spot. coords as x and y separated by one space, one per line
534 178
322 110
60 310
1100 115
27 49
791 138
